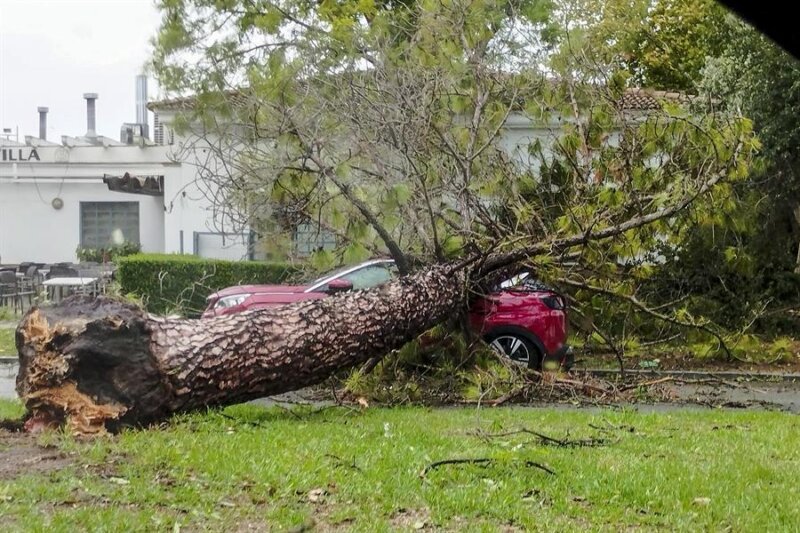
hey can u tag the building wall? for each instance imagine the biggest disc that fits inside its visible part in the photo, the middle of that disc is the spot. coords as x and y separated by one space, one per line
193 223
191 220
32 230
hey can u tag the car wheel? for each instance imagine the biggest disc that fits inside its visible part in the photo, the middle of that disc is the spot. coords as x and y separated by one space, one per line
517 348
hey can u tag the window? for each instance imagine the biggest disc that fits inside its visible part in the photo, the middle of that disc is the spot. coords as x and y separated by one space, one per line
308 238
369 276
230 246
107 223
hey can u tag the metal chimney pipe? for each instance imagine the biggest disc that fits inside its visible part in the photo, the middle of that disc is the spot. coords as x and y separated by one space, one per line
43 122
141 104
91 129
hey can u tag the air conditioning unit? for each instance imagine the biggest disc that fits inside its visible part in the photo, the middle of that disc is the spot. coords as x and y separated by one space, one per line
132 134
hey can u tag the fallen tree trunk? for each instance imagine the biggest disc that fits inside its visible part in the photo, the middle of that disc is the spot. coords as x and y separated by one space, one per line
97 363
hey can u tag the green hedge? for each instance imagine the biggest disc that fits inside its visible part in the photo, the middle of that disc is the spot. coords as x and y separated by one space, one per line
181 283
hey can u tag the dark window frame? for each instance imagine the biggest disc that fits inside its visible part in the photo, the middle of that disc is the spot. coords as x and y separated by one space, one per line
82 237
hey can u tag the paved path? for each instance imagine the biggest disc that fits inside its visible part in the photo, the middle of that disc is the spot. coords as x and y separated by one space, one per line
8 376
698 374
783 395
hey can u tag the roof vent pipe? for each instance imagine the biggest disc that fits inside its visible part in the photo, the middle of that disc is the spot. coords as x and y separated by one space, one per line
91 130
43 122
141 104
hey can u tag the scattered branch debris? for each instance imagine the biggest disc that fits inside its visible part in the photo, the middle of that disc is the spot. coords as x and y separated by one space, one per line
480 461
547 440
12 426
341 463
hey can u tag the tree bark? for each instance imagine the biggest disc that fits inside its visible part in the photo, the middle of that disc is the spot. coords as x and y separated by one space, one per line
796 213
95 364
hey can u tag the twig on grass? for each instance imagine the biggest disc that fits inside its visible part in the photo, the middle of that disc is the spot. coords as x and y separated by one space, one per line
290 411
342 463
540 466
547 440
510 395
242 421
610 427
479 461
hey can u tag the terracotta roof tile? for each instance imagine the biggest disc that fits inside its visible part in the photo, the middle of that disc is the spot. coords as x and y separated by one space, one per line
649 100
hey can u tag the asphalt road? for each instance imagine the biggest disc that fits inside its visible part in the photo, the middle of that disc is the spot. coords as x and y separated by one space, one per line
8 376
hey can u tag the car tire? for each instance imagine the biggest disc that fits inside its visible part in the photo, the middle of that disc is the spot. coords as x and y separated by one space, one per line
517 347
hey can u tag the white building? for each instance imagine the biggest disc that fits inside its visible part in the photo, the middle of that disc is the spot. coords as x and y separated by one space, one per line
93 191
57 197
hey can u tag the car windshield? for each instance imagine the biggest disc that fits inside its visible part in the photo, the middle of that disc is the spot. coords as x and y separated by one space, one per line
327 275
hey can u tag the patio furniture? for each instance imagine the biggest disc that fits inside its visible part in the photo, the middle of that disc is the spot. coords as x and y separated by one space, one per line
9 290
28 284
56 287
59 271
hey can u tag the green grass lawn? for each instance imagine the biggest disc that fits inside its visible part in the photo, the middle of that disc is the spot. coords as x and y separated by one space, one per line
272 469
7 347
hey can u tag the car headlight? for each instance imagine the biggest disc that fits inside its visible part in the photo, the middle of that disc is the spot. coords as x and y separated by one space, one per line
230 301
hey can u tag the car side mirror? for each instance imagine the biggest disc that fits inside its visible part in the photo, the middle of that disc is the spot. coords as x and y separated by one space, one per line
339 285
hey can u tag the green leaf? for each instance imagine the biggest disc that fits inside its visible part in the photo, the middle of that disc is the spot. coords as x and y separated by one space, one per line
355 253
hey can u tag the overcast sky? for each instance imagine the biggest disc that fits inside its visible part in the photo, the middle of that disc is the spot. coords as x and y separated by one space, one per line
53 51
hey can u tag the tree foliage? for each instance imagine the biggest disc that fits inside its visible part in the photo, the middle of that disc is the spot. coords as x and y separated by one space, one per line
661 44
442 130
677 37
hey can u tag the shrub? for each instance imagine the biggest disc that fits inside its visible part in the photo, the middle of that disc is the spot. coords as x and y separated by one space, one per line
110 253
181 283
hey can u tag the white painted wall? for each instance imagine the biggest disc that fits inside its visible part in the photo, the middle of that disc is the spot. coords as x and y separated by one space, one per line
189 205
32 230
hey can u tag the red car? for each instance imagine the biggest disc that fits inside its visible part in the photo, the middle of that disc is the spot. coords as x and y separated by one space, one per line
521 319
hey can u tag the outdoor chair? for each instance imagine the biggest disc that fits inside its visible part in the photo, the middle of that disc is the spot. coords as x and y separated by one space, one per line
58 271
29 285
94 287
9 290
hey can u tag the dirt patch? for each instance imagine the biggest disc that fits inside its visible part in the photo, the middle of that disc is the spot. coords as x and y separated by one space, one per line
21 454
411 519
460 523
